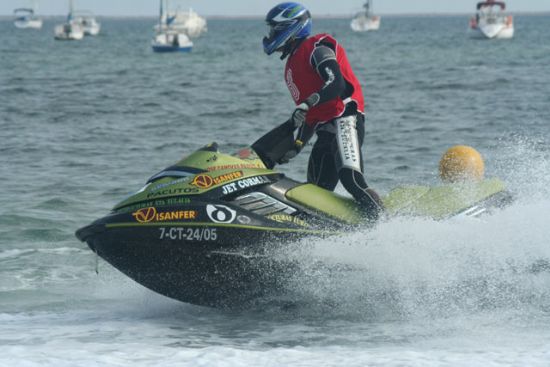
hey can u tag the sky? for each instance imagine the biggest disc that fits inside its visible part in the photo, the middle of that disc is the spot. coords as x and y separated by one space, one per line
260 7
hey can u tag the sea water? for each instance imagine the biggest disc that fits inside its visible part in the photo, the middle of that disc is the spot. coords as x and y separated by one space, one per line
82 124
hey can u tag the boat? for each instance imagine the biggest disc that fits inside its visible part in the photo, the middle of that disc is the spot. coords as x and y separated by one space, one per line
365 20
491 21
26 18
87 21
188 22
167 38
206 230
171 41
70 30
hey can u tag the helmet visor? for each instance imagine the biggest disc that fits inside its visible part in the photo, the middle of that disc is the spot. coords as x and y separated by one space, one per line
278 35
270 31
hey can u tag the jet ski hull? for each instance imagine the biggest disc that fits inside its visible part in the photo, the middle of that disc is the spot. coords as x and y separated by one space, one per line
182 271
199 262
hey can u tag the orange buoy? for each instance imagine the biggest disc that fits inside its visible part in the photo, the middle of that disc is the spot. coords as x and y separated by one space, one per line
461 163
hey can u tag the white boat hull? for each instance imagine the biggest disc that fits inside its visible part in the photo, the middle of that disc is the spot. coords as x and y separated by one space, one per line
171 42
492 32
506 33
87 22
69 32
363 24
187 22
28 24
491 26
195 30
92 30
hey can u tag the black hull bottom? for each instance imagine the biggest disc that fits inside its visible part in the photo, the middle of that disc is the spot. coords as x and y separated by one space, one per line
224 277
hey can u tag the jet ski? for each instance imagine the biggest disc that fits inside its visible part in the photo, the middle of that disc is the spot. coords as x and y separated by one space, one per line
203 230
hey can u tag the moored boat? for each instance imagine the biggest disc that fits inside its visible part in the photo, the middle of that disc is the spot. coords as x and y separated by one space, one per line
171 41
492 21
167 38
188 22
88 22
26 18
365 20
71 30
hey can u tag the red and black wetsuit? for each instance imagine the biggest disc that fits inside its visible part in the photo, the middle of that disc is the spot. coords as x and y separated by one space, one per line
318 73
319 65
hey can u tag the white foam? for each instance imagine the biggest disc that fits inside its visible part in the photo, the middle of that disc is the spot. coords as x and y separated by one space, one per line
424 267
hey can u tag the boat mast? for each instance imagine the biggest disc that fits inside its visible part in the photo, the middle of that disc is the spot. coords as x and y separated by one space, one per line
367 6
71 9
160 15
167 9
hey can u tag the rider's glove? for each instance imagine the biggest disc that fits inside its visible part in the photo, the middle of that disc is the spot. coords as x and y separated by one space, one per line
299 115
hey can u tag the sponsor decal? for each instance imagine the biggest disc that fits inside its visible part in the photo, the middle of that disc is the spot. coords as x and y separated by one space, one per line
235 166
282 218
188 234
174 191
175 182
228 177
202 181
348 143
220 213
244 183
243 219
175 201
205 181
147 215
135 207
294 91
157 203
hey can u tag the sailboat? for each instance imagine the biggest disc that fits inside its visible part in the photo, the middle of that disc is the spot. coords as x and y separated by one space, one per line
365 20
167 37
26 18
87 21
71 29
491 21
188 22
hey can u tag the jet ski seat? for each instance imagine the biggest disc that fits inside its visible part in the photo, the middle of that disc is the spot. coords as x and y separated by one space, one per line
337 206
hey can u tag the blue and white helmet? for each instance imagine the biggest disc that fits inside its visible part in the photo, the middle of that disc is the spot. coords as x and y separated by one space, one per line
286 22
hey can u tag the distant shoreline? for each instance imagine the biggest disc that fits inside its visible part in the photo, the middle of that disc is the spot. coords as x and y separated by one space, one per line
326 16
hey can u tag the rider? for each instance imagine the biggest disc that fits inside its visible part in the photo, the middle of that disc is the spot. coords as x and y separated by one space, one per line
329 102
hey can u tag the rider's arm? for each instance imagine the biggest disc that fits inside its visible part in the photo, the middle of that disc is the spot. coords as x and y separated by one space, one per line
323 59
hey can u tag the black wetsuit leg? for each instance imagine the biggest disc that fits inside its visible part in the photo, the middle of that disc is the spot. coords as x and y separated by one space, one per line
321 169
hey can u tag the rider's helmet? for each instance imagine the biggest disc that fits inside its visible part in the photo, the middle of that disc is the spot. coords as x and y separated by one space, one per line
287 22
